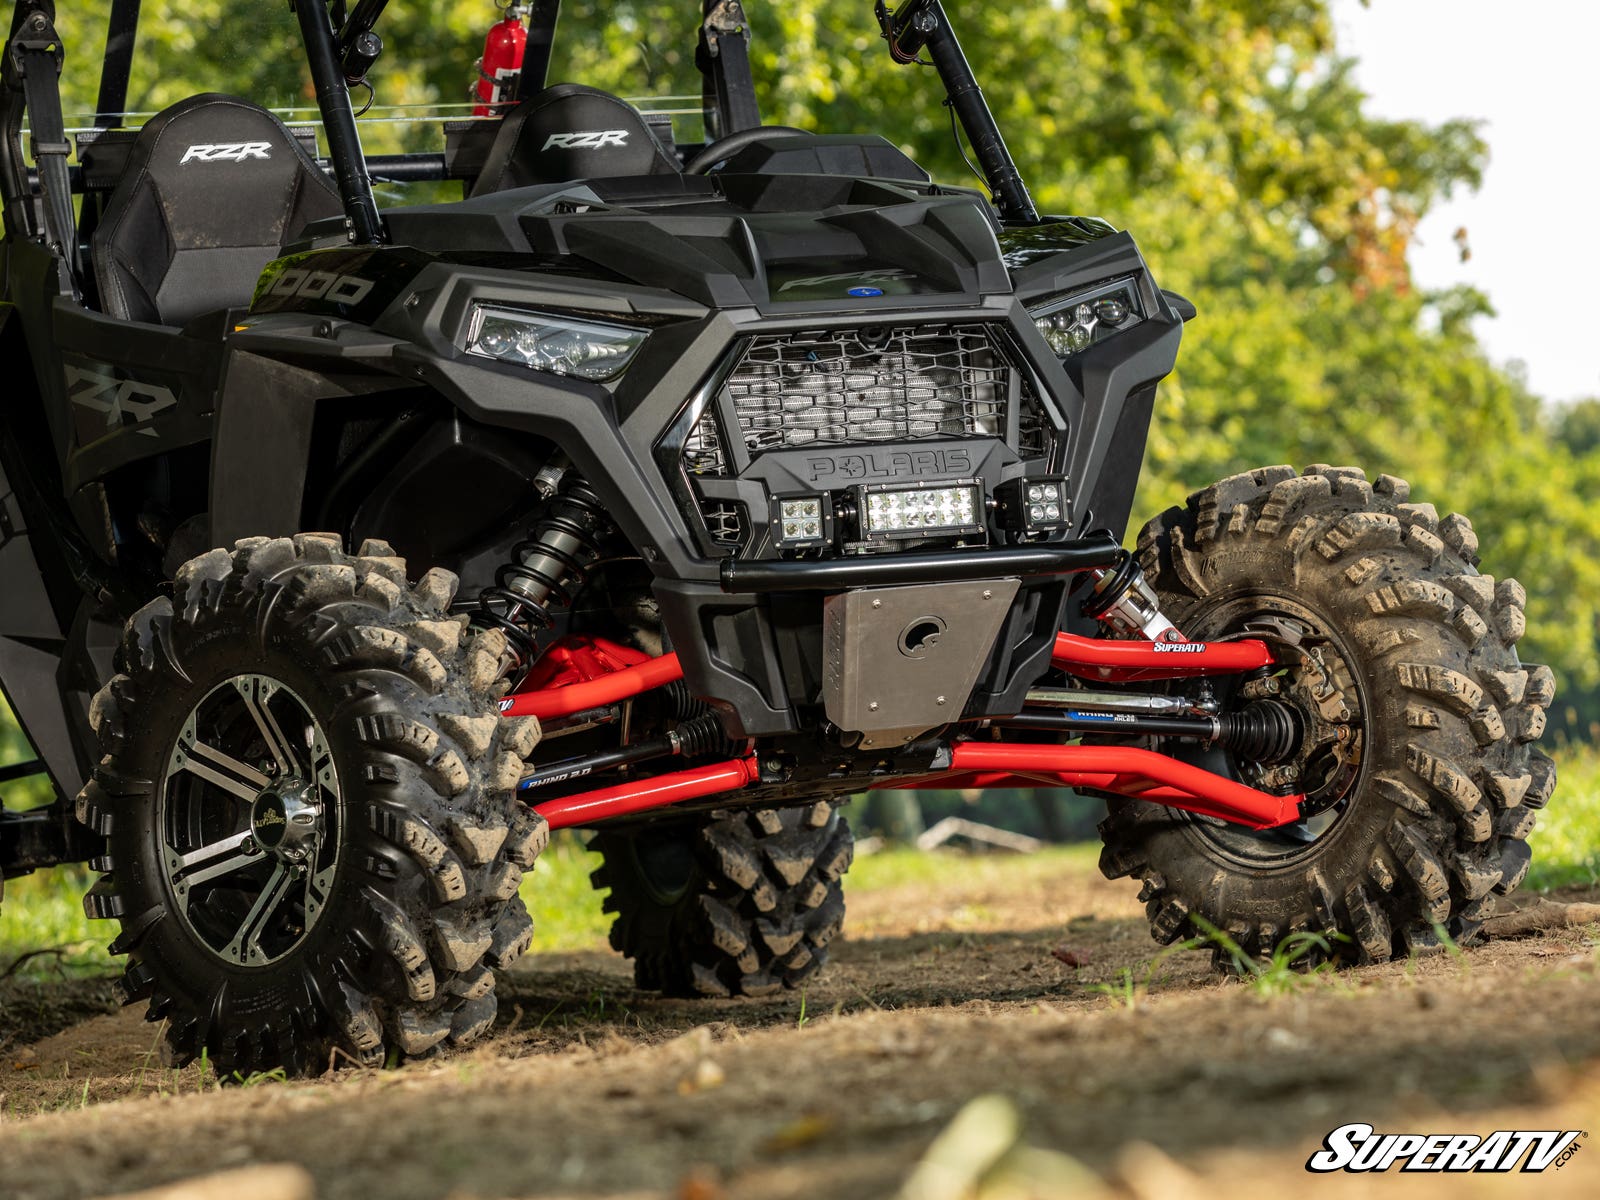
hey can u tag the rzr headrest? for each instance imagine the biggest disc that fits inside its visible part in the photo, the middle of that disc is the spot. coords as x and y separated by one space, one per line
570 132
213 189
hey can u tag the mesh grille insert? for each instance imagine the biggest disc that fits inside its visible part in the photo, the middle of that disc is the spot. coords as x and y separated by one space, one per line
727 522
847 387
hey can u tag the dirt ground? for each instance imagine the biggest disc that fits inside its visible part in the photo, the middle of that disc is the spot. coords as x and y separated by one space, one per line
1195 1086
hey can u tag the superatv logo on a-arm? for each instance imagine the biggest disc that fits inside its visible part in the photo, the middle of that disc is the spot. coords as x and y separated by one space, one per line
592 139
1359 1148
226 152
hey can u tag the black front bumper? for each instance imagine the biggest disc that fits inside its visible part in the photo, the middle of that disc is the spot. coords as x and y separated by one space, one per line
753 644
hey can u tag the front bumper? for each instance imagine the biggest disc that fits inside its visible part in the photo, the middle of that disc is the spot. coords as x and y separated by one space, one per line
758 643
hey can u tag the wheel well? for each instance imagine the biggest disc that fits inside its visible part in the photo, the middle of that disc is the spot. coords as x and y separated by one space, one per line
411 469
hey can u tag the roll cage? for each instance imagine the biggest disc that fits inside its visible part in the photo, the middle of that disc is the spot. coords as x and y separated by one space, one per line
341 47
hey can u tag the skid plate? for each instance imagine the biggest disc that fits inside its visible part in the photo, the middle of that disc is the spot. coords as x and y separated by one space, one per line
903 660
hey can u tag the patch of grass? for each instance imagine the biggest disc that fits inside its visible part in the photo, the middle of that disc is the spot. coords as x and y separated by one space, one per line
1281 972
1122 992
259 1078
1566 842
906 867
1125 990
43 932
565 907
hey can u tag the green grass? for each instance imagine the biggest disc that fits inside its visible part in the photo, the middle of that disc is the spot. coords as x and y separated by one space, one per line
907 868
1566 842
565 906
43 913
1278 973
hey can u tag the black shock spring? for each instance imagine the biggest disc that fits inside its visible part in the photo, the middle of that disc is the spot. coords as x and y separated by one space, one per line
546 571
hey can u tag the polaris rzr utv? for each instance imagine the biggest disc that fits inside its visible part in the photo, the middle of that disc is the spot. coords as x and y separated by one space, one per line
674 492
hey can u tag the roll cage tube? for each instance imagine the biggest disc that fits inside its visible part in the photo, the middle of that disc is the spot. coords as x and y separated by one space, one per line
324 56
917 25
541 43
122 30
723 56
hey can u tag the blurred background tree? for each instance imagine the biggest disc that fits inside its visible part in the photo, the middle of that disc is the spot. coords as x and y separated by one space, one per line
1228 135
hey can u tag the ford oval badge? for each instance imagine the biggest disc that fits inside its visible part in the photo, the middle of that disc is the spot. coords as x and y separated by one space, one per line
864 292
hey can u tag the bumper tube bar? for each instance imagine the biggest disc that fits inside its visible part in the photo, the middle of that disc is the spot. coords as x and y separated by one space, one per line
621 685
1129 771
590 808
1102 658
890 570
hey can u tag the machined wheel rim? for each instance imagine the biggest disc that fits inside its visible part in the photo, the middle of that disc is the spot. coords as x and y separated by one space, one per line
250 821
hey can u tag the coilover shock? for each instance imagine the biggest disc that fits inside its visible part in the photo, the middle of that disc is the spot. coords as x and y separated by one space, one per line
1123 599
546 571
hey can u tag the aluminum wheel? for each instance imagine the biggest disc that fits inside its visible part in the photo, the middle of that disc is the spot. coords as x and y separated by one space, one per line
250 817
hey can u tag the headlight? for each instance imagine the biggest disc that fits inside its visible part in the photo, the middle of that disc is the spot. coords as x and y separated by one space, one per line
558 345
1074 323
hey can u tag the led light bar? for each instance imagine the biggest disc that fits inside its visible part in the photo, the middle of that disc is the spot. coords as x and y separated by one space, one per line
555 344
802 522
941 510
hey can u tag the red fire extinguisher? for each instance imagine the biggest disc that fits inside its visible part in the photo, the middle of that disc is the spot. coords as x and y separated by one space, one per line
501 64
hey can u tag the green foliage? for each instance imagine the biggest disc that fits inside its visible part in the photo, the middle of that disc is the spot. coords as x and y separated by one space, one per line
565 907
42 916
1566 841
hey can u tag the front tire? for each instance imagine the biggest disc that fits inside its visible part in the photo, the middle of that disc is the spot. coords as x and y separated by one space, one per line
1431 820
742 904
314 844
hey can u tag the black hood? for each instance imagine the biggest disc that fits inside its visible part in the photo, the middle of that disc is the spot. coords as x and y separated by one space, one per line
735 241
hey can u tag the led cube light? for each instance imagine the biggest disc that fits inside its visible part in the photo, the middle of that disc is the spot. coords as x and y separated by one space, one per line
802 522
941 510
1037 505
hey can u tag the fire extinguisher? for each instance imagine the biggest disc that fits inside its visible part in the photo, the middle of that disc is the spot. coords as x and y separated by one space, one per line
501 64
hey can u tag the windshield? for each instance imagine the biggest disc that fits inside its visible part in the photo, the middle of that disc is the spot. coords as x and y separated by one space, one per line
426 74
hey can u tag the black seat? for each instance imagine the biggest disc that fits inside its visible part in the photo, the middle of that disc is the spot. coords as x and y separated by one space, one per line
570 132
213 190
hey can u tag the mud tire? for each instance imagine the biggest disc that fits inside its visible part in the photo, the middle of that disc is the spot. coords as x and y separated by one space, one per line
739 904
423 906
1453 780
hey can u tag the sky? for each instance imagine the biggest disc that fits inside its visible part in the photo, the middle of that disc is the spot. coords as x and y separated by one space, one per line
1528 71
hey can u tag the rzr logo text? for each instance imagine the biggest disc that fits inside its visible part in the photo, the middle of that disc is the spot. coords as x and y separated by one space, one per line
226 152
122 402
594 139
1359 1148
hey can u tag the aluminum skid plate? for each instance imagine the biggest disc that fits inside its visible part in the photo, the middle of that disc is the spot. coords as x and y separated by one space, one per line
903 660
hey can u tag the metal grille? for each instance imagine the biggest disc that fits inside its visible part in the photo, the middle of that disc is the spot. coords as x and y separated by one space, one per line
727 522
1034 431
840 388
702 449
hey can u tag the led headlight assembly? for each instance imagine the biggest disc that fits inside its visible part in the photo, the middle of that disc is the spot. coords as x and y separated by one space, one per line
1072 324
558 345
